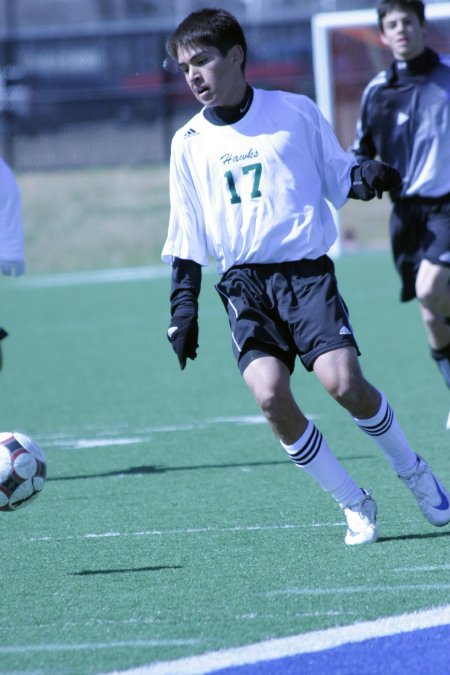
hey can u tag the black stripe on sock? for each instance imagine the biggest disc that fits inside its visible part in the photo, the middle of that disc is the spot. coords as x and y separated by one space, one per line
383 426
306 454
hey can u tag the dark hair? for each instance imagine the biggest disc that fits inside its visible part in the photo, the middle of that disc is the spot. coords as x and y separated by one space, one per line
210 28
385 6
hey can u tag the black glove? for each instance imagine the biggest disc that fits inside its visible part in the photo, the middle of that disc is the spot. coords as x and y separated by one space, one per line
183 335
373 178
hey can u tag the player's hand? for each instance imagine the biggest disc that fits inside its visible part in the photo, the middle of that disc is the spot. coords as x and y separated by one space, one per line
183 336
380 177
372 178
12 268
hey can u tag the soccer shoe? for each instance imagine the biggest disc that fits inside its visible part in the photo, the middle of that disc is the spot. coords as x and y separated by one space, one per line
361 520
448 422
432 497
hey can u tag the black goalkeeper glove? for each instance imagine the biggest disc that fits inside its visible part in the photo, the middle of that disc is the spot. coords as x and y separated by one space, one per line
373 178
183 336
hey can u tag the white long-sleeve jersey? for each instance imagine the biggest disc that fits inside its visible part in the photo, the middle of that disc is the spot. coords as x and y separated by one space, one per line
256 191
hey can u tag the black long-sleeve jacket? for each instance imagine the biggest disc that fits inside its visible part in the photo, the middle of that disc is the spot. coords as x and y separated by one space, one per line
405 121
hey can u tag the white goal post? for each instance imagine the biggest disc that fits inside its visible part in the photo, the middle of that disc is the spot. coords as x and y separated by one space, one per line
347 53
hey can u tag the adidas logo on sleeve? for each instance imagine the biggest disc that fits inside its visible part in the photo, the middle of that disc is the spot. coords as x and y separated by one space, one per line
190 132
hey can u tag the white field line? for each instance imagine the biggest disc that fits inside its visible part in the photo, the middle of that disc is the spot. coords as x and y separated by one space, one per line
379 588
93 277
111 436
84 443
314 641
147 620
106 276
422 568
83 646
184 532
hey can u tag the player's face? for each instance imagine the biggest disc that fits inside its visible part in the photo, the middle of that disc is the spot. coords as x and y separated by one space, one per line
403 34
215 80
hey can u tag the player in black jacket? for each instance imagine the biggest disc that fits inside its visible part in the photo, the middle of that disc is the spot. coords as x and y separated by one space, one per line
405 121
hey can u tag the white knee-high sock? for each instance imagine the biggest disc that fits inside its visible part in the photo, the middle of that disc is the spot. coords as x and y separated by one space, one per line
312 453
386 432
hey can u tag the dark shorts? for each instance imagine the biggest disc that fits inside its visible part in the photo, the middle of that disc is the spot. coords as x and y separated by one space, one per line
285 310
420 230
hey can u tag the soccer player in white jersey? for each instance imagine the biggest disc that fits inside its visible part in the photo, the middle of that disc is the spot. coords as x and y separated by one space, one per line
249 178
12 256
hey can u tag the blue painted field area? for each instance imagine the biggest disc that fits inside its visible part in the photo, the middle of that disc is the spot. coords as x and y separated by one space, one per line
415 653
376 647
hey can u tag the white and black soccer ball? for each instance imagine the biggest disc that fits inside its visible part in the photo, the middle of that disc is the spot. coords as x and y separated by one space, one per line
23 470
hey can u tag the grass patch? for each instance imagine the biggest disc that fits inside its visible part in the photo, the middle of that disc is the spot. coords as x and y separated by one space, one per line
94 219
117 217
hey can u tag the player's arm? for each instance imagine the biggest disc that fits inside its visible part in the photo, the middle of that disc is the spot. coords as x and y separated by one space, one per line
183 327
369 177
364 147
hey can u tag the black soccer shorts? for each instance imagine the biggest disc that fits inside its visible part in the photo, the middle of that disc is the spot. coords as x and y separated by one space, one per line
285 310
420 230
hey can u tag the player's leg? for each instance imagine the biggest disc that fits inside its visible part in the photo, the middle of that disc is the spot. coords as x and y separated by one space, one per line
265 352
326 344
432 284
433 289
340 373
433 293
269 380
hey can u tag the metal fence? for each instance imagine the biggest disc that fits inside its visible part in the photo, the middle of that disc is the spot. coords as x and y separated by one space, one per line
45 13
81 83
97 94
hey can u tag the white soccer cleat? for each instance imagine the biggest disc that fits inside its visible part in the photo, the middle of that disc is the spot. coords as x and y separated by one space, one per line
447 426
361 520
432 497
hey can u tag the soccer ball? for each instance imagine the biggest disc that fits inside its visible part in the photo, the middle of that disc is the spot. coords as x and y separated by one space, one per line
22 470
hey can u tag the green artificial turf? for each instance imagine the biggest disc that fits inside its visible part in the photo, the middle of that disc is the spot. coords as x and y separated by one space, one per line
172 522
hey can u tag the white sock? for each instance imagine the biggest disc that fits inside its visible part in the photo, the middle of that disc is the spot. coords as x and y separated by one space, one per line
386 432
312 453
